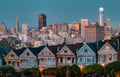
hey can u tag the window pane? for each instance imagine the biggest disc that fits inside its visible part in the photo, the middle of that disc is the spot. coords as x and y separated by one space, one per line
110 56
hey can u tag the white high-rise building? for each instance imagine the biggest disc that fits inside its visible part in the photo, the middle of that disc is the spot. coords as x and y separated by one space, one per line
84 23
24 29
101 16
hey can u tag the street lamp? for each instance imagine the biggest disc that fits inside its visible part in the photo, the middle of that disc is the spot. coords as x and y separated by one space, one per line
81 67
103 65
41 69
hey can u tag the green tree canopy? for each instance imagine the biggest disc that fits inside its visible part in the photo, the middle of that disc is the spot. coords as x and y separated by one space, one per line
112 68
50 71
93 69
4 42
35 72
7 71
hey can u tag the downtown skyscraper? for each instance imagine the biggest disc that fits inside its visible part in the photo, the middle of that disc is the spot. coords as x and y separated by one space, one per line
101 16
17 25
41 21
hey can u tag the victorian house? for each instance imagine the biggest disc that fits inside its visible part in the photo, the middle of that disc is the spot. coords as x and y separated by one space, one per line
86 54
28 59
107 53
66 54
12 58
47 57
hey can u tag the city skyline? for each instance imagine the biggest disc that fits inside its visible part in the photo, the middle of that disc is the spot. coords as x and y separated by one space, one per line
56 11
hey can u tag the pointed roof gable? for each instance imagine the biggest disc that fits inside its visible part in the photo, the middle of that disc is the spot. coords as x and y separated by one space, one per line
114 45
53 49
63 51
110 44
75 47
93 46
18 52
36 50
89 46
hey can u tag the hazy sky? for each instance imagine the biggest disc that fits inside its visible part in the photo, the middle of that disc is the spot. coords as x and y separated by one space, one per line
57 11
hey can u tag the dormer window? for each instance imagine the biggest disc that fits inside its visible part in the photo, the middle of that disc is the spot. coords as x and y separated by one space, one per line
12 55
28 54
45 52
85 50
107 47
65 51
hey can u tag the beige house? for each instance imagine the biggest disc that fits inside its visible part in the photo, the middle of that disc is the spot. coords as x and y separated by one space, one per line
46 57
12 58
107 53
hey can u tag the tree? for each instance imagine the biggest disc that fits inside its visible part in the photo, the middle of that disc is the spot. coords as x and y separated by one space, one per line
93 70
3 42
112 68
35 72
26 73
74 71
50 71
71 71
7 71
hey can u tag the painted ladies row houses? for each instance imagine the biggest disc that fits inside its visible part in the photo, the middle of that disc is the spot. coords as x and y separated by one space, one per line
61 55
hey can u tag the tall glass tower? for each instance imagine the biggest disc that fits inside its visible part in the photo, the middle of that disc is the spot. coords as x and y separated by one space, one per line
101 16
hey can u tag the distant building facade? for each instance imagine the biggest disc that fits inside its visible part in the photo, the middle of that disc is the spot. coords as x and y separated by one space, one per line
101 16
41 21
25 29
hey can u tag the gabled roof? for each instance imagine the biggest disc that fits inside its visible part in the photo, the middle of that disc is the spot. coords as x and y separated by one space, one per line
6 48
74 47
36 50
1 53
114 45
93 46
53 49
18 51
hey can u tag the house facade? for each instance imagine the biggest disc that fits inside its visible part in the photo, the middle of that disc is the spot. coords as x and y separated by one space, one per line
86 55
65 56
12 58
27 59
46 58
107 53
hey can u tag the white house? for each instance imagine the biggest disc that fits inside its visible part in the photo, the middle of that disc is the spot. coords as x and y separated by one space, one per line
28 59
86 54
107 53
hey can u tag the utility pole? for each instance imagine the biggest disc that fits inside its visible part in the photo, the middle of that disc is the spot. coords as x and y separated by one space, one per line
67 71
67 68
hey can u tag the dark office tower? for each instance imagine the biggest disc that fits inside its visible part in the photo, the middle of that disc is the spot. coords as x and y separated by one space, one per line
17 25
41 21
